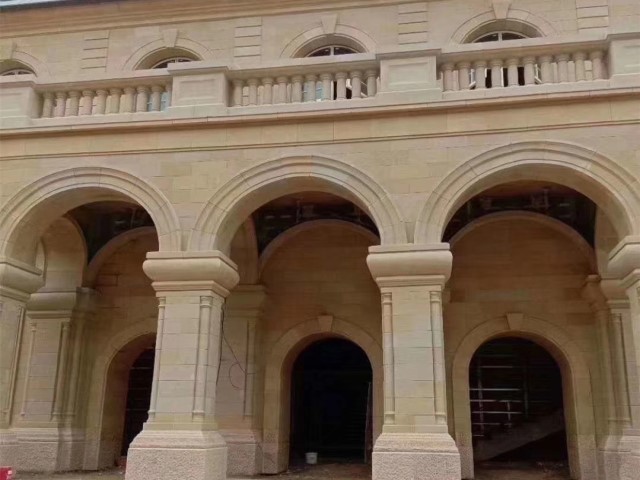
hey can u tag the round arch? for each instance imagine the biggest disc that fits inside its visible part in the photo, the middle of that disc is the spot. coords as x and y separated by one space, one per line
101 442
576 380
19 57
574 237
278 382
521 21
290 233
239 197
604 181
316 37
153 50
28 213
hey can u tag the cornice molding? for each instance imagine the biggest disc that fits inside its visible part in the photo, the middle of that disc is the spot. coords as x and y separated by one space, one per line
77 18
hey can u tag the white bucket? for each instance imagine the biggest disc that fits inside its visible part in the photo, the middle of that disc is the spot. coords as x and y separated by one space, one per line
312 458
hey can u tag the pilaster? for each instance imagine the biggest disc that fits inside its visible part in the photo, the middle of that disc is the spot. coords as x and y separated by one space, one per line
415 442
239 420
17 282
624 266
180 438
47 425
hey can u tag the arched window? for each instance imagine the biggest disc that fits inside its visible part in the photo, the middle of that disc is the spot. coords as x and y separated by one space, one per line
331 50
499 36
163 57
165 63
11 67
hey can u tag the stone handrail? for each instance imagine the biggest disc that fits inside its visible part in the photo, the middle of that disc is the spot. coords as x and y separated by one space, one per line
139 93
518 63
319 79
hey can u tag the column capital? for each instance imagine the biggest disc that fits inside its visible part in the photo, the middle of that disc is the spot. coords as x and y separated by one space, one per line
62 303
409 265
191 271
18 280
624 259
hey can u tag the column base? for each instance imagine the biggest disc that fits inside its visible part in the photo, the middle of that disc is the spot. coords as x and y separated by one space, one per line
622 457
415 456
244 452
8 448
168 454
49 449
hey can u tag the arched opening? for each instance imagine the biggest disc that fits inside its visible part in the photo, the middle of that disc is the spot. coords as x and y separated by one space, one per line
126 399
138 397
14 67
331 403
163 57
517 408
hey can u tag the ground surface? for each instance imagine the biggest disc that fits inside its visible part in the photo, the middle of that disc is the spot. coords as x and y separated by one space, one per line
349 472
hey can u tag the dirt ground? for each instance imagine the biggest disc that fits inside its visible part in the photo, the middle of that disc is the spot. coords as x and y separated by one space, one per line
348 472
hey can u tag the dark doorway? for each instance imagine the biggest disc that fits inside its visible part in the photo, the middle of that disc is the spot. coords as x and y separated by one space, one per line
138 397
331 403
516 404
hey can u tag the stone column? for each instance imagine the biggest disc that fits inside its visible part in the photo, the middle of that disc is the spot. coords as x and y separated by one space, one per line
181 438
50 435
17 282
624 264
415 440
239 380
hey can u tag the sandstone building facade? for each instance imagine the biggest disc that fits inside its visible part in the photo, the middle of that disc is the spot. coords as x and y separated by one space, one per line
217 217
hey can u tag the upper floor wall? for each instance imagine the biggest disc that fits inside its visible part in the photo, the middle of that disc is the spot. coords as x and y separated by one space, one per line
109 37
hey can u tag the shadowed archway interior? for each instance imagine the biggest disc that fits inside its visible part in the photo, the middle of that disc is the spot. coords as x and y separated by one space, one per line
331 403
516 400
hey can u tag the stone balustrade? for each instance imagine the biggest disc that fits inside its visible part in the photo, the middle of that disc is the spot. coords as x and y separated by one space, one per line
101 98
391 77
521 63
319 79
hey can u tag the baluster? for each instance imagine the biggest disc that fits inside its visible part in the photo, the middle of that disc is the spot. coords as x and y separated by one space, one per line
114 100
546 71
480 68
267 91
512 72
74 104
128 100
529 70
253 91
155 102
61 104
87 102
296 88
464 78
101 102
371 77
47 104
327 82
578 60
496 73
563 68
282 89
447 77
142 99
310 88
238 85
597 65
341 86
356 84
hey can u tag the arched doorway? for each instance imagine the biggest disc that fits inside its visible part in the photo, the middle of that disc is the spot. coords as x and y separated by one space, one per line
331 403
126 398
138 397
516 404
